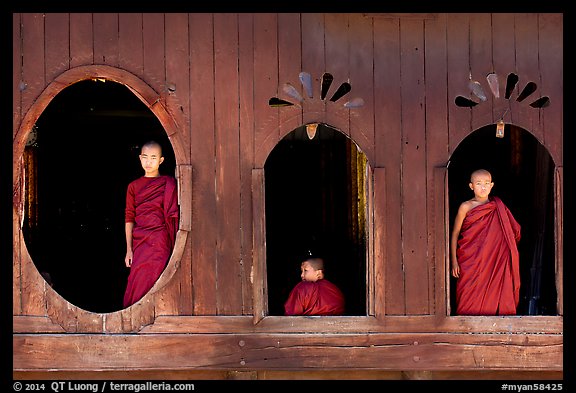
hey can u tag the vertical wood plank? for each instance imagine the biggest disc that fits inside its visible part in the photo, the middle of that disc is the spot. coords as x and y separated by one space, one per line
381 299
313 48
361 58
258 274
227 141
503 59
265 138
458 76
551 54
175 58
130 43
81 39
57 44
33 59
289 67
106 38
436 149
559 237
17 73
337 57
28 294
154 64
182 276
372 258
388 144
526 40
481 65
265 84
440 248
185 192
360 53
246 150
17 248
202 147
413 167
177 54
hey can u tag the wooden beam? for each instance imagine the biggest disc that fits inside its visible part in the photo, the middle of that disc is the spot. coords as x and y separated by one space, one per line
298 351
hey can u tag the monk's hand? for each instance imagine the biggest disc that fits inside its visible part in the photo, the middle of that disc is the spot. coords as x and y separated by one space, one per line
128 259
455 269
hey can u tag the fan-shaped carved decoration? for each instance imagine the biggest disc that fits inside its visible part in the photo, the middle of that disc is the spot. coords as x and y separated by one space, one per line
478 95
296 95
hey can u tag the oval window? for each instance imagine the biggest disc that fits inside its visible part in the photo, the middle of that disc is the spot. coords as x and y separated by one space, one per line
79 159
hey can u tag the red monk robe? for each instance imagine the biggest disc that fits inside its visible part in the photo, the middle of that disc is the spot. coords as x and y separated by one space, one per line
152 204
487 253
315 298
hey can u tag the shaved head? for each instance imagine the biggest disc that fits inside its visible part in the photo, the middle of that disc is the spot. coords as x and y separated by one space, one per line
153 144
479 172
316 263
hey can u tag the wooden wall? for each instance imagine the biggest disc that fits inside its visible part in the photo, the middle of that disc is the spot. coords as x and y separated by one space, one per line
208 78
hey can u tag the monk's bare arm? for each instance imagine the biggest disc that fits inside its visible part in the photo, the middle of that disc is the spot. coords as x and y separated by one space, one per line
462 210
129 254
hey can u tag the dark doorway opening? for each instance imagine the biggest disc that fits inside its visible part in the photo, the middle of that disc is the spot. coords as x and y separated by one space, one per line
523 173
315 203
83 152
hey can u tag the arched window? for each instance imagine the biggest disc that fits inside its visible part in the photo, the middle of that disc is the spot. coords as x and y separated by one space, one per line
523 175
79 159
315 202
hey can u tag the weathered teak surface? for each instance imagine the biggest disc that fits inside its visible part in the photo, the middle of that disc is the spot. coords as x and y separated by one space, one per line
208 311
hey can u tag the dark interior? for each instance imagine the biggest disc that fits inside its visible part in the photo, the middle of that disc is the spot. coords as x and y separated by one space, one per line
310 202
523 173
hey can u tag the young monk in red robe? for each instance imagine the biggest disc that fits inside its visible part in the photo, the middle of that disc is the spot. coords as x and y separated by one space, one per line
314 295
484 253
151 224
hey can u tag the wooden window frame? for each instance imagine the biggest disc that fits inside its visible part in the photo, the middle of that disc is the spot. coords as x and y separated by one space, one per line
375 299
442 254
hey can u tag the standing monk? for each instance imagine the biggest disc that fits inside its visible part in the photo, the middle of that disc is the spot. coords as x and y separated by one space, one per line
151 224
314 295
484 253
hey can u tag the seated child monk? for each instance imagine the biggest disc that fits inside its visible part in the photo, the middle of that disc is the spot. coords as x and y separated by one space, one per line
314 295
